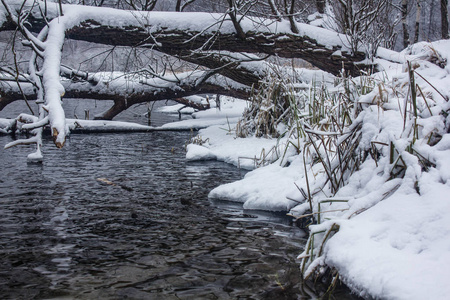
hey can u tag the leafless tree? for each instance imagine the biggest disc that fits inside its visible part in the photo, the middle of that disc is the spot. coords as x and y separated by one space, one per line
147 5
364 22
181 5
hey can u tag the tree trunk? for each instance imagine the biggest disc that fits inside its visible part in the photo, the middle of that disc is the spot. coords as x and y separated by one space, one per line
233 16
417 25
178 5
444 19
290 13
405 23
125 98
274 10
184 42
320 5
174 43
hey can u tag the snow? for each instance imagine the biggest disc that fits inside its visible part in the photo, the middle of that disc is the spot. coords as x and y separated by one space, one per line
90 125
261 190
398 248
51 80
242 152
5 122
174 109
229 113
3 15
105 126
197 152
393 240
35 156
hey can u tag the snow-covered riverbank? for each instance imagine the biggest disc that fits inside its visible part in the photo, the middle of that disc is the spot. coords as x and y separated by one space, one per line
386 228
384 224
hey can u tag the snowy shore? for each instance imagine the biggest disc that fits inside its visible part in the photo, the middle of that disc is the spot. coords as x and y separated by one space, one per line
391 233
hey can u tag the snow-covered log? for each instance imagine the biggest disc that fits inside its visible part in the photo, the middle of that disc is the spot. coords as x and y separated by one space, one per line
181 34
126 91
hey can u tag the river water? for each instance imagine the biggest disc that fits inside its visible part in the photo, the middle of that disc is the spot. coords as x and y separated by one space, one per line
124 216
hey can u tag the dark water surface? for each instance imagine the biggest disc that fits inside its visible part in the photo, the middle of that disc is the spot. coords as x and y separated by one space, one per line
124 216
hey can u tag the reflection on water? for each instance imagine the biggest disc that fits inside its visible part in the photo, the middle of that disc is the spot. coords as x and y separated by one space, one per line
88 109
116 216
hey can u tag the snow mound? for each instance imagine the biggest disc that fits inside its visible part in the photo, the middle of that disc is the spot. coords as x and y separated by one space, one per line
197 152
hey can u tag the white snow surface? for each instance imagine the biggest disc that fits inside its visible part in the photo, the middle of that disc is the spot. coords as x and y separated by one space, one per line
174 109
228 114
89 125
265 188
400 248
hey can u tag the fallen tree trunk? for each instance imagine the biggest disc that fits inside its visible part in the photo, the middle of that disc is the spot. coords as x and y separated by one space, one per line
134 93
330 58
181 34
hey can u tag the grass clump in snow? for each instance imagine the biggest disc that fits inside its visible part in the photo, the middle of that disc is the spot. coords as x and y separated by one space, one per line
360 151
361 141
270 107
369 129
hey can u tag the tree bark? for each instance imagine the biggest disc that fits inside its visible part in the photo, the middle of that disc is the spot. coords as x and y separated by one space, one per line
182 43
274 10
209 48
417 25
444 19
290 13
233 16
320 5
405 23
